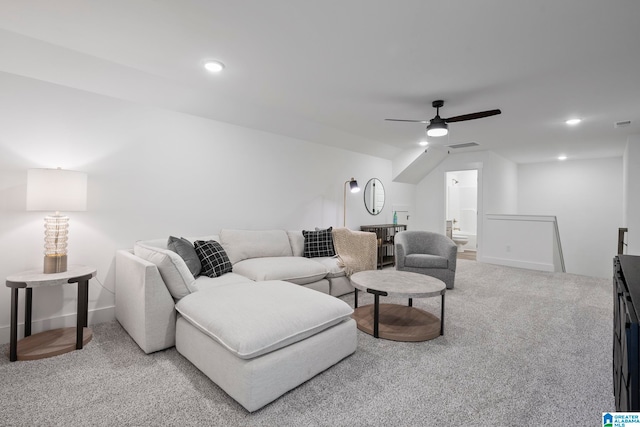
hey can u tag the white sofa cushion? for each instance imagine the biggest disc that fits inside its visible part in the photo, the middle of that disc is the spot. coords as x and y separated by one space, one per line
274 315
172 268
245 244
296 240
156 243
163 243
289 268
204 283
331 264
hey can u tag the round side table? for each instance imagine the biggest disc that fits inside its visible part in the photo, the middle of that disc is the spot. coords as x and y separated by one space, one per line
57 341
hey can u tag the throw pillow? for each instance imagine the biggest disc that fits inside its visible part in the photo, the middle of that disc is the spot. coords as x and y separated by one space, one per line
214 259
318 243
187 252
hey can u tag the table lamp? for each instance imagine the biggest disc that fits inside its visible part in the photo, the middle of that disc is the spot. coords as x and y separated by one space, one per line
56 190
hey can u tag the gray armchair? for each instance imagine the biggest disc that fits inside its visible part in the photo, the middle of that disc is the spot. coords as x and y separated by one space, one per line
427 253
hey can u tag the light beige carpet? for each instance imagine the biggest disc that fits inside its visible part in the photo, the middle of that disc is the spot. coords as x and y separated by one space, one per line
520 348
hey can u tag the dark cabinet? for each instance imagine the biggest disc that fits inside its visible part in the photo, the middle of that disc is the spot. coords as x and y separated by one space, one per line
626 332
385 234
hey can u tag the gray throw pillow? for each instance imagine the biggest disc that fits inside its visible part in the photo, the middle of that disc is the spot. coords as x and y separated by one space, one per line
187 252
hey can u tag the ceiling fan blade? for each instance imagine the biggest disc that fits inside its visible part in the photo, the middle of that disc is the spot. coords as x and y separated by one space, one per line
472 116
412 121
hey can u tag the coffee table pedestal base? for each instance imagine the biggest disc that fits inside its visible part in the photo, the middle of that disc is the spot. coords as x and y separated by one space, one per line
398 322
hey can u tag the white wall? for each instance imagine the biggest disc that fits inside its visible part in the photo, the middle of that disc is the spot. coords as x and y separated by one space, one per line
497 190
153 173
523 241
631 192
586 197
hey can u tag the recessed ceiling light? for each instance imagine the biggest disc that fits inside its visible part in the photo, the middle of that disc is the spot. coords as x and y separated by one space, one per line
214 66
562 157
423 143
573 121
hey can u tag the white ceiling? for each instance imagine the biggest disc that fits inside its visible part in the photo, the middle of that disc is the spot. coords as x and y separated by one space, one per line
331 71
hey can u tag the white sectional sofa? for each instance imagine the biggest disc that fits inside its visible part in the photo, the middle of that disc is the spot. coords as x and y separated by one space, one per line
257 331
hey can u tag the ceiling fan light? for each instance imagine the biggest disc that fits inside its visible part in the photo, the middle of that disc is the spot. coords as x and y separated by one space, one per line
437 129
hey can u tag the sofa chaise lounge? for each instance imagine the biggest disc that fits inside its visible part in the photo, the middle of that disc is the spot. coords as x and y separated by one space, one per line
257 331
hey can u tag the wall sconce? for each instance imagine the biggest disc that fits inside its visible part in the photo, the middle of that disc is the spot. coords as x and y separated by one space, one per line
56 190
353 186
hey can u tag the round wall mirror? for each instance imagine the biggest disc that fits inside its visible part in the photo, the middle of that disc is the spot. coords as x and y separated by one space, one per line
374 196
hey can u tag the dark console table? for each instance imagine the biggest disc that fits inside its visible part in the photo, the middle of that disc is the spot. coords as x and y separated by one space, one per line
385 234
626 332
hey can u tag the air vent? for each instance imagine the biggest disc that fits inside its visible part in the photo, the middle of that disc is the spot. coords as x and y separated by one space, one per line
463 145
622 124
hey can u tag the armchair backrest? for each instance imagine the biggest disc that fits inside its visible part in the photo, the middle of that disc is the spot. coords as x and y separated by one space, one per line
424 242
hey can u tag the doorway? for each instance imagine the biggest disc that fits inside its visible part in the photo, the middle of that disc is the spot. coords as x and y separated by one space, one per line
462 208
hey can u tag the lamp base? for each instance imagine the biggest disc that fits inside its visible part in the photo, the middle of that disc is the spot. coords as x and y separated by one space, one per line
55 264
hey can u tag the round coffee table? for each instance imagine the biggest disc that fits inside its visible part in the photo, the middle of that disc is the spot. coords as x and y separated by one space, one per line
392 321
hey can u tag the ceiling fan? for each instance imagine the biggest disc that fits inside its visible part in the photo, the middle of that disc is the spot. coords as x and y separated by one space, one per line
438 126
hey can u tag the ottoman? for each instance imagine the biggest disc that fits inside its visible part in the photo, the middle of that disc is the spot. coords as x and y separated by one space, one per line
259 340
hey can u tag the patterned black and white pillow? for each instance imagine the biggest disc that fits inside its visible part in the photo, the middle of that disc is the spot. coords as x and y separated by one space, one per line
213 258
318 243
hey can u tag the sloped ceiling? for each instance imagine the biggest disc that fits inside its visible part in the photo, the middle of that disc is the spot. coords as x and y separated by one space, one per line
331 72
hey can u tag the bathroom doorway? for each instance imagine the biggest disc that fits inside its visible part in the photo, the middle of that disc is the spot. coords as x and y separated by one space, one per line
462 208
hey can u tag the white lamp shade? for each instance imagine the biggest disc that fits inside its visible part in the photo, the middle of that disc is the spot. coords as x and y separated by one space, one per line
56 190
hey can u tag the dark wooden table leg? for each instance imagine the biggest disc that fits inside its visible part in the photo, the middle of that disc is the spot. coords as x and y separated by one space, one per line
13 345
83 306
376 309
442 316
376 314
28 303
410 302
355 298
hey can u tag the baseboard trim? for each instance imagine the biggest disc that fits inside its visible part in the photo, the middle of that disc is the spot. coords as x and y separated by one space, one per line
518 264
99 315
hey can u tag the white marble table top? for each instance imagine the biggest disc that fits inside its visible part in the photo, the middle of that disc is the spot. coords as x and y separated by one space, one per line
399 283
36 278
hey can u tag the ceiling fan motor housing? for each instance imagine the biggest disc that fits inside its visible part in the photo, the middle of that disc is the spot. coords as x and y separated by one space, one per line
437 127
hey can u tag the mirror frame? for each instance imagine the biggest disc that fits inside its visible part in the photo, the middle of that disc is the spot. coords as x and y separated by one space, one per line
367 189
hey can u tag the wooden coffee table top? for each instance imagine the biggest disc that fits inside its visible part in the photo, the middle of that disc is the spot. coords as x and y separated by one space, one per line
398 283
